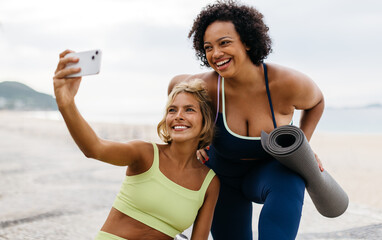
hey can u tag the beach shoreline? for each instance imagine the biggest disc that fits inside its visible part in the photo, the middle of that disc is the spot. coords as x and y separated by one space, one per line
50 189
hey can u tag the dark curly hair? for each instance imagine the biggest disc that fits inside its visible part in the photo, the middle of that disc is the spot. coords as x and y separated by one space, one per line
248 23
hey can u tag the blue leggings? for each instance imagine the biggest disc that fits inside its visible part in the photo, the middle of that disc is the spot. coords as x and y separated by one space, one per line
269 183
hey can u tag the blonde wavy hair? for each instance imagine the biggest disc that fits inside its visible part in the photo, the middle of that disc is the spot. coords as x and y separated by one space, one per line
196 88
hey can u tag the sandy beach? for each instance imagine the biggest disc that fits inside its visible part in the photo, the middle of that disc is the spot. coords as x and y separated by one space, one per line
50 190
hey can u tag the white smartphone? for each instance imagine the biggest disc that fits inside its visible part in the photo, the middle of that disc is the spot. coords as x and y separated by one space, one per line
89 62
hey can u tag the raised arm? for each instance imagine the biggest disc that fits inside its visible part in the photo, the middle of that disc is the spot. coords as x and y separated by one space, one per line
65 90
202 225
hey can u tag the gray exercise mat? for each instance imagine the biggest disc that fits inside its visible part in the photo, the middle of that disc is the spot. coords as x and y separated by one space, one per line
289 146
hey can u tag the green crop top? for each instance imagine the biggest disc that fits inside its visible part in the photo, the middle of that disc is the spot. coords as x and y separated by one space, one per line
158 202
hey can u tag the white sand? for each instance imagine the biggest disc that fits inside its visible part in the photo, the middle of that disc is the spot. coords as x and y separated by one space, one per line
49 190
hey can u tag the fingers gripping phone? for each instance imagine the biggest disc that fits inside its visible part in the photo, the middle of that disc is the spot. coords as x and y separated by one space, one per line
89 62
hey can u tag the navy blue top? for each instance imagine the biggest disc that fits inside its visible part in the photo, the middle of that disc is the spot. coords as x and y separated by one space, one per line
228 148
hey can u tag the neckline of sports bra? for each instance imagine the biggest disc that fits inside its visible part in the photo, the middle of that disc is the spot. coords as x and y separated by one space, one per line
225 120
163 176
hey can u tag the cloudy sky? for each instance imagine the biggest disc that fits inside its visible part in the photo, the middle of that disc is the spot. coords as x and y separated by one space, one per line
144 43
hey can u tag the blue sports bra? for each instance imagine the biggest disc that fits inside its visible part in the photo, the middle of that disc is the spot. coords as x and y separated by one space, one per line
233 147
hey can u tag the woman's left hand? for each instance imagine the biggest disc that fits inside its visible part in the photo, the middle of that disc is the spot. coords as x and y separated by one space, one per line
202 155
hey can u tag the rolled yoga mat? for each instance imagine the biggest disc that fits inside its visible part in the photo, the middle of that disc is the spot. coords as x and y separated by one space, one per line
289 146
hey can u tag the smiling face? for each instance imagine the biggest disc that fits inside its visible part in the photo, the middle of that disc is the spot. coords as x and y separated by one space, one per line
225 52
184 118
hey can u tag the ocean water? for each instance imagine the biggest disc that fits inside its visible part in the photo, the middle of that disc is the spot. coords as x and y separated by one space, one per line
341 120
350 120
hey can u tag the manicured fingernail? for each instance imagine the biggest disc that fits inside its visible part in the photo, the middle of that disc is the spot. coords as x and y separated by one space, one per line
208 147
203 161
207 159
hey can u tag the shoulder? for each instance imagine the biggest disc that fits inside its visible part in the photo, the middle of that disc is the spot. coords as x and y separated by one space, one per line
286 76
142 149
283 78
140 145
142 156
292 87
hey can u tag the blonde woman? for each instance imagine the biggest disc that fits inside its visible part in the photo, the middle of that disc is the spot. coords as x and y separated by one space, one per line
166 189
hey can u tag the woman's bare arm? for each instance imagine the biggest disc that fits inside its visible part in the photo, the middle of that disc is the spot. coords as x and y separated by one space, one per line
91 145
303 94
202 224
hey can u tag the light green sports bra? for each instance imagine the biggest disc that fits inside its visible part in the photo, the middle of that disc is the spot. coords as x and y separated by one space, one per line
158 202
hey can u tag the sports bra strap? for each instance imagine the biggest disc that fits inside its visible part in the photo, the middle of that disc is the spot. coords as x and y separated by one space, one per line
207 180
218 102
156 156
269 95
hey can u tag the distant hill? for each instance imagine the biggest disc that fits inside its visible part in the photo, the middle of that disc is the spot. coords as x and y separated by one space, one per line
373 105
18 96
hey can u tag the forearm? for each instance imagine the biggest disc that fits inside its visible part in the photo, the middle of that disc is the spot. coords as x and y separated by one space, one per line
310 118
84 136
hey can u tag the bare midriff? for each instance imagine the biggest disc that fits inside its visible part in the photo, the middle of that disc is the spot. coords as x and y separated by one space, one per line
123 226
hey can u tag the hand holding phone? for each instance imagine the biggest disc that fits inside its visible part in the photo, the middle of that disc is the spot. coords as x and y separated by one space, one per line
89 62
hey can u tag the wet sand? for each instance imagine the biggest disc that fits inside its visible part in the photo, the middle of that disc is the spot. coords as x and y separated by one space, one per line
49 190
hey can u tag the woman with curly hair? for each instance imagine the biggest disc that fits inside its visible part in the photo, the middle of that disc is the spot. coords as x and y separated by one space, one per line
250 96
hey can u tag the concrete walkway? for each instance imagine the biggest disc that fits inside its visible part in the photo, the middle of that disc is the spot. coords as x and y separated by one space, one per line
49 190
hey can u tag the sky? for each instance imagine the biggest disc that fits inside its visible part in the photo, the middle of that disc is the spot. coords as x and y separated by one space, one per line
144 43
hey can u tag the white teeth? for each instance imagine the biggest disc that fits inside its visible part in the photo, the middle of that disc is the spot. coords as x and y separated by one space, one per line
222 62
180 127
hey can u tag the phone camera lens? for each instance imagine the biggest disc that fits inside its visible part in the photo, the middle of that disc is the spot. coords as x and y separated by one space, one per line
93 57
96 52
